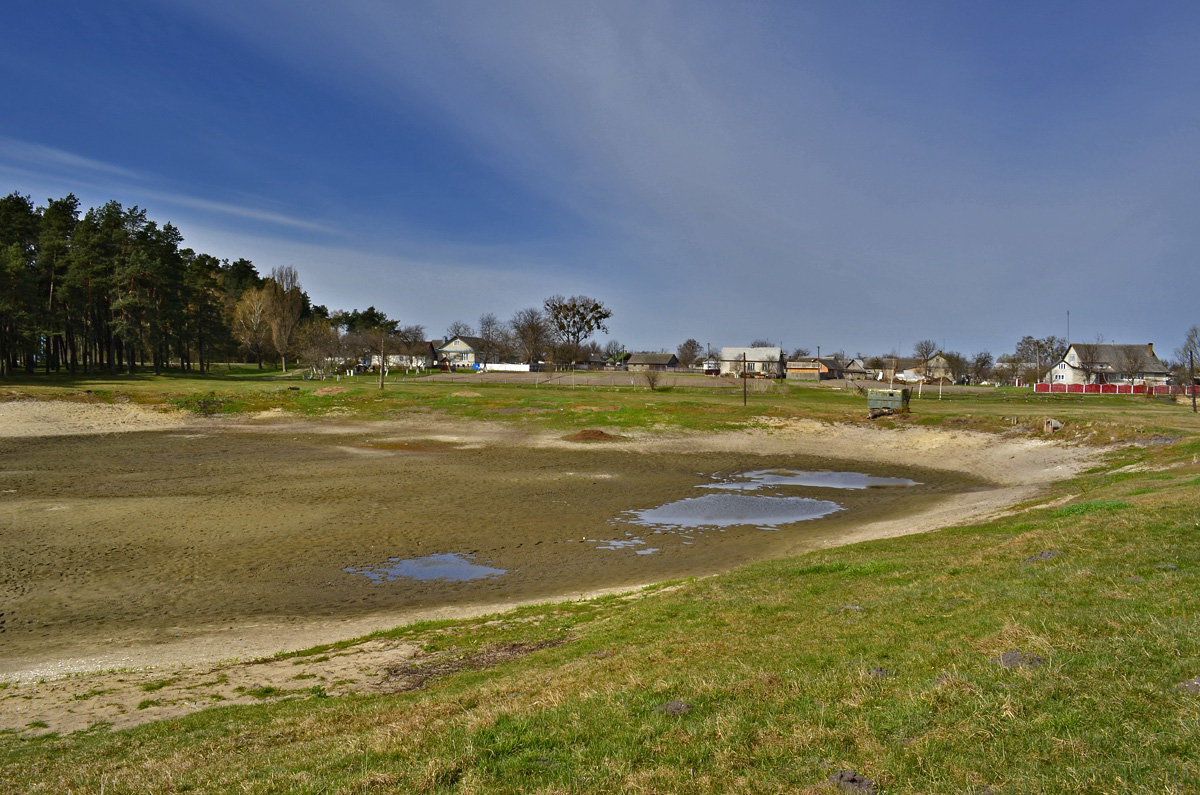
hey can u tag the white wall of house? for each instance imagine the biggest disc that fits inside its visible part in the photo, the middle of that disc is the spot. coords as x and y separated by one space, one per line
758 361
458 352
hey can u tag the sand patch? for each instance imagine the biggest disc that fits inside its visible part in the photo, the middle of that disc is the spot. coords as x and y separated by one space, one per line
325 391
26 418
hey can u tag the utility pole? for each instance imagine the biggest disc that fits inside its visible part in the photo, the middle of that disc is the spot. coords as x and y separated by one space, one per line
382 355
1192 375
744 378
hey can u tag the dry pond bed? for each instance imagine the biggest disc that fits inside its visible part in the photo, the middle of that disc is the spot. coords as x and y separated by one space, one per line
163 556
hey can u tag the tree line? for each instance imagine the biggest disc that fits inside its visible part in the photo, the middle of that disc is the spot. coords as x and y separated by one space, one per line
109 290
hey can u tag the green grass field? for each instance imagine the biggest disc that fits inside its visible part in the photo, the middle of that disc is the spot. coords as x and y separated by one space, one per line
879 658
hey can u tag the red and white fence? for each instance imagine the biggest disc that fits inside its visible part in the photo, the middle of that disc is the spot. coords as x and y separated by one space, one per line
1115 389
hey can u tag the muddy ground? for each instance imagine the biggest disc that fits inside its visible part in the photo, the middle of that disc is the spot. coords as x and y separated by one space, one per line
202 542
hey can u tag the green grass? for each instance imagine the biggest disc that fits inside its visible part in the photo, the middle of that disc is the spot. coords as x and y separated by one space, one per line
600 400
159 684
1093 506
780 661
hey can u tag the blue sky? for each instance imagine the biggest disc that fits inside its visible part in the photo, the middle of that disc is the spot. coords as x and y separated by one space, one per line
853 176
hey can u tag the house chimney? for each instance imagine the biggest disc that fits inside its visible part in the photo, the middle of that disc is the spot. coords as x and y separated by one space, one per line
1150 349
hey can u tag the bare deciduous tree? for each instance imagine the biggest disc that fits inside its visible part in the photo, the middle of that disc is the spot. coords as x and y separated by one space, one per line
958 365
491 336
285 304
688 352
573 320
925 350
981 366
530 333
319 345
1090 361
1131 361
251 322
1186 354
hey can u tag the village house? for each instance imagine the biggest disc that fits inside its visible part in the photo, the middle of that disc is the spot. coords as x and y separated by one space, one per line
1096 363
911 370
755 362
811 368
856 370
824 368
460 352
419 355
619 361
659 362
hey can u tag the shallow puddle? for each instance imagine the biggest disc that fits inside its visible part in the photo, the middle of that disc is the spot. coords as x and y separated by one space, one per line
731 510
768 478
632 544
456 568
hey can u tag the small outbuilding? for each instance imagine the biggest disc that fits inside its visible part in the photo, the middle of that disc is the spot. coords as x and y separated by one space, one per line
660 362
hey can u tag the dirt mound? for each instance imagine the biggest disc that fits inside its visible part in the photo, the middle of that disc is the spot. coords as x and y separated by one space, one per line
331 390
593 436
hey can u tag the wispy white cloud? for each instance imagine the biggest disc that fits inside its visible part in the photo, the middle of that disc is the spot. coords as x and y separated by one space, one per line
728 154
238 211
35 157
43 165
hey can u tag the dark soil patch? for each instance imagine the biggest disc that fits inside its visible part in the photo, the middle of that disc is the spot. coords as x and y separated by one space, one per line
674 708
1160 441
592 436
413 674
1043 555
879 672
412 447
852 781
1191 686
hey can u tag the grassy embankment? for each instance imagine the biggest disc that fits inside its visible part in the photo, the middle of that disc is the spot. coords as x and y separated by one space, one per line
588 400
877 657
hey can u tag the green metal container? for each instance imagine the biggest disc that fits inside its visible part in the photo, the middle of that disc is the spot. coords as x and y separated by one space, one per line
894 399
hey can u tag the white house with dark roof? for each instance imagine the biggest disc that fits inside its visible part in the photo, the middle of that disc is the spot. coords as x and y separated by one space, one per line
1096 363
765 362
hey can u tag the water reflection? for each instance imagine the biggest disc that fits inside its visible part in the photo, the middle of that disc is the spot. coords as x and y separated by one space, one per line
768 478
453 567
729 510
624 543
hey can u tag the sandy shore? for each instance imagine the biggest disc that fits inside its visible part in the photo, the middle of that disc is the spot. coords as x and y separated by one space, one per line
42 690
